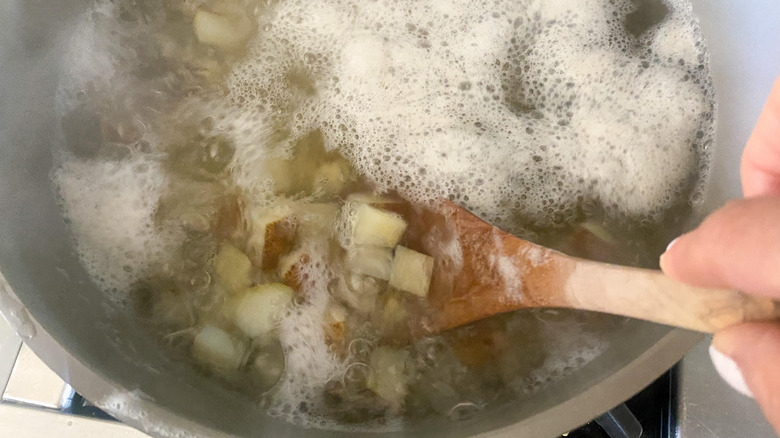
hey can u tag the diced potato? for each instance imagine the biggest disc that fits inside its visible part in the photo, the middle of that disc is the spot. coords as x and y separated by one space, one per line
335 325
193 204
281 174
358 292
227 311
268 366
217 349
372 199
388 379
291 268
229 220
598 230
225 31
316 220
259 310
373 261
335 314
377 227
233 269
332 177
173 310
294 174
273 234
393 314
411 271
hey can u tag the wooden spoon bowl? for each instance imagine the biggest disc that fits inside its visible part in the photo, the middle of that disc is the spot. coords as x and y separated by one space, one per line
481 271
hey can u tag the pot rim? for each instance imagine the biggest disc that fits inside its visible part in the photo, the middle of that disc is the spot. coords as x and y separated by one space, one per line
140 412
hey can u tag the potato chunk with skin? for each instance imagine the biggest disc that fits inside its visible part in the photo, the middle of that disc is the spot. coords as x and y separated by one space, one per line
411 271
388 378
335 319
225 31
232 268
291 268
259 310
377 227
373 261
217 349
273 234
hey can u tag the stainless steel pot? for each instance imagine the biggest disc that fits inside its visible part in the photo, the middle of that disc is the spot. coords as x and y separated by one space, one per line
68 322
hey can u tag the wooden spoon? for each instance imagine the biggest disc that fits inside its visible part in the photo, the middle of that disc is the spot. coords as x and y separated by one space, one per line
481 271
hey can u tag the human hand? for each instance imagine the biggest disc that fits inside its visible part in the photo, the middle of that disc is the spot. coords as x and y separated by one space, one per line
738 247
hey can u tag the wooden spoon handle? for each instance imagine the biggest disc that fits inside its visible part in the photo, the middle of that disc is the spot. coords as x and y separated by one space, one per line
652 296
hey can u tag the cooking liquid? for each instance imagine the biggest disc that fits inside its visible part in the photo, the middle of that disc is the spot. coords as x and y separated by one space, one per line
553 121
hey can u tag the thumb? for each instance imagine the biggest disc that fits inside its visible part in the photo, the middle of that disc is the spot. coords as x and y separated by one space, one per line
755 350
737 247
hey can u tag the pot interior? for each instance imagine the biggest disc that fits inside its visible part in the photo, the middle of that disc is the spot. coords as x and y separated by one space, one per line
38 261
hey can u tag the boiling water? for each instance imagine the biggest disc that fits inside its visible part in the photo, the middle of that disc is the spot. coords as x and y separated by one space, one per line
536 115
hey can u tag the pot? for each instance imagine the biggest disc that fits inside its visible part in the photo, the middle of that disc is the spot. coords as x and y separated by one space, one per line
104 355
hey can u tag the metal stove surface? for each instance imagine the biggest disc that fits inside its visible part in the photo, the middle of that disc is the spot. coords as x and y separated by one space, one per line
689 401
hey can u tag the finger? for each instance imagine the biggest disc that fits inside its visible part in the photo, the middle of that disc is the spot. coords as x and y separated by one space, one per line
761 158
755 349
737 247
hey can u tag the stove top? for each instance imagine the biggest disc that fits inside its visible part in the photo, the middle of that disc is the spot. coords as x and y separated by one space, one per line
689 401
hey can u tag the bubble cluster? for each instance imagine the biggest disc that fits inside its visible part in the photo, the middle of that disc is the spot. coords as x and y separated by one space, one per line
569 349
309 361
511 108
110 207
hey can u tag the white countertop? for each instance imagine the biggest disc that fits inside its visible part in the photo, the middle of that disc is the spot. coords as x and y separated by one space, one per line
32 395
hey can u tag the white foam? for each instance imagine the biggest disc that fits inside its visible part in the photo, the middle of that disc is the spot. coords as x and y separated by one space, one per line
568 348
136 407
404 86
309 363
110 206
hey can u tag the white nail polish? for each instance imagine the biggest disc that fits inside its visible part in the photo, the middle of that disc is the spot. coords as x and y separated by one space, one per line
729 371
671 244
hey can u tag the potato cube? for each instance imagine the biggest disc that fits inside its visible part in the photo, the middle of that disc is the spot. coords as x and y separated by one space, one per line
597 229
358 292
411 271
335 314
377 227
372 199
291 268
335 320
280 174
332 177
217 349
173 310
388 379
268 366
273 234
373 261
224 31
316 220
261 308
232 268
394 315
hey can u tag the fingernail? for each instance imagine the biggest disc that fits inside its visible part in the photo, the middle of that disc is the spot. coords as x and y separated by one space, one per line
662 259
729 371
671 244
